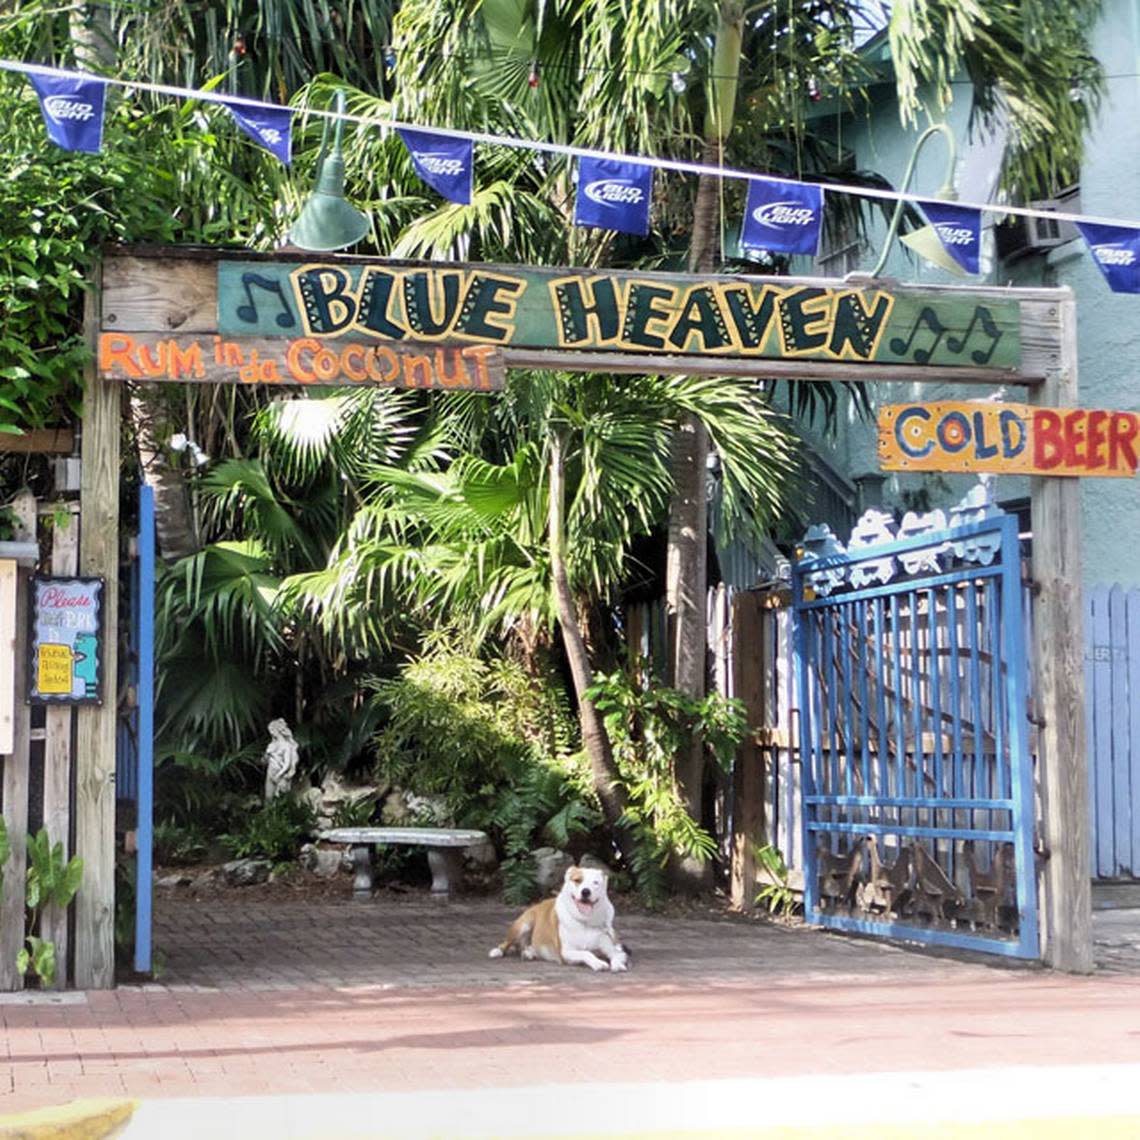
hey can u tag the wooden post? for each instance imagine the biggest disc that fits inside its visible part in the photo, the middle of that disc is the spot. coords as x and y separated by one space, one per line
789 830
17 762
9 647
95 724
751 660
57 750
1059 648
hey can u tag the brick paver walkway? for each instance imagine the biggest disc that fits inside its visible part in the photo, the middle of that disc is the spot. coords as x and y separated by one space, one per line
413 940
399 994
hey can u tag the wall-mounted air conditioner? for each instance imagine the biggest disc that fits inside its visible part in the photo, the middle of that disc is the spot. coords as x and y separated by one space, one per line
1019 236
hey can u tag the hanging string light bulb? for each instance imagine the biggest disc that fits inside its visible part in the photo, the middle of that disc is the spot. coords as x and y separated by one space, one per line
677 81
813 90
532 78
390 58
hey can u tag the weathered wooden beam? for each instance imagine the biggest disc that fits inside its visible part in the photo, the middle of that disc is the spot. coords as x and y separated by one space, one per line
95 724
181 297
821 371
1059 650
41 441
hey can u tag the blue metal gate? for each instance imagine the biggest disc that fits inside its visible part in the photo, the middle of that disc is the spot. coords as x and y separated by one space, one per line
918 786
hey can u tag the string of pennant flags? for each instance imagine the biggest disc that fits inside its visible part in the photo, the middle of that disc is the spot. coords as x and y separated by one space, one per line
614 192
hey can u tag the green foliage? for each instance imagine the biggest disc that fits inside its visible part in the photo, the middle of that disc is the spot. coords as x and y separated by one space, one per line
544 802
462 727
232 654
496 743
162 176
52 880
38 956
1029 68
199 794
776 894
175 844
649 726
126 899
284 41
219 630
356 812
275 831
460 530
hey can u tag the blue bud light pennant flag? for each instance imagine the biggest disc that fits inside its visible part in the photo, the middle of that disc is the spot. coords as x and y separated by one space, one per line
613 195
959 230
269 127
447 165
1116 250
72 109
782 217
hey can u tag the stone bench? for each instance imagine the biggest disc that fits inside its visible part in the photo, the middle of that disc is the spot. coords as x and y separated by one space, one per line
444 851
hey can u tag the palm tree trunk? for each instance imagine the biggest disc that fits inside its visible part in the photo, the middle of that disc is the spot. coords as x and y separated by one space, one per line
686 586
687 558
607 784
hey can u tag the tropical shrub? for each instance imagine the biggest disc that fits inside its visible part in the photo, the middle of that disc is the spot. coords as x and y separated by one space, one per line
649 724
275 831
460 726
496 743
199 795
358 812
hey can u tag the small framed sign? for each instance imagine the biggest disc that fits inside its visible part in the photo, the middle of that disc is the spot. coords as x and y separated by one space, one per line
67 641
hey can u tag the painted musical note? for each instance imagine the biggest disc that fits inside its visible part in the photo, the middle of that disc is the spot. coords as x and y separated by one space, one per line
984 317
248 311
926 318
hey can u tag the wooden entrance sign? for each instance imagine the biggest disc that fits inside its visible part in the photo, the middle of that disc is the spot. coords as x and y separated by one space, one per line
1008 439
175 315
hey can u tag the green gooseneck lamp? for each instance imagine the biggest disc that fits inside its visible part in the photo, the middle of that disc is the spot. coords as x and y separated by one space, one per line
328 220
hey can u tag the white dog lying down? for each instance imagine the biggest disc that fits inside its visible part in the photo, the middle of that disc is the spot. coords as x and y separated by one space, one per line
573 927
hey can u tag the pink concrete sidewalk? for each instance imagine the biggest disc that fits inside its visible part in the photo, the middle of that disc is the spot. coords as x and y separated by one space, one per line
399 995
160 1043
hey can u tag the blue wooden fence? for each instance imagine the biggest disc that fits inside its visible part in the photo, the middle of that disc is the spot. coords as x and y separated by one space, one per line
1112 685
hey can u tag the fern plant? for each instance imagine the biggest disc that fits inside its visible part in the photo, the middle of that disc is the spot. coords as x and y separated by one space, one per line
543 801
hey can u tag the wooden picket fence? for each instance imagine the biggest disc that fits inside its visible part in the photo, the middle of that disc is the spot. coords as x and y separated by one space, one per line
1112 686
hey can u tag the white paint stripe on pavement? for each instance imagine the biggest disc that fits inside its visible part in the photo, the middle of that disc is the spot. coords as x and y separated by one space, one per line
1013 1093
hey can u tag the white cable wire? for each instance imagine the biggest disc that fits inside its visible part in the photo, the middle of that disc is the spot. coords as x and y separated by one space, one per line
675 165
